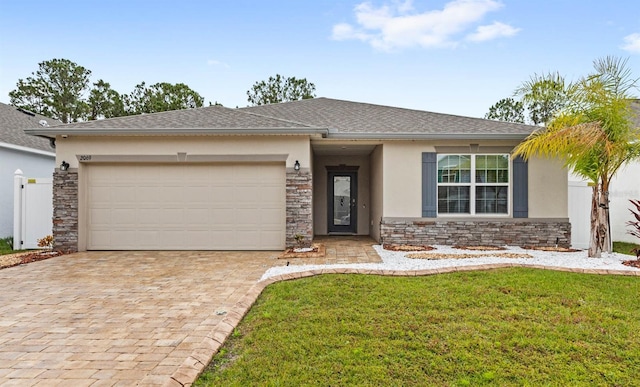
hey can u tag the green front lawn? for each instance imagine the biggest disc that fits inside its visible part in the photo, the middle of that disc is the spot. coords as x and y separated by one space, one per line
508 327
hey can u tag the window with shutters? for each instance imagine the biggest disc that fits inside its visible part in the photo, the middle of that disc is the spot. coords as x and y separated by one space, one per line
473 184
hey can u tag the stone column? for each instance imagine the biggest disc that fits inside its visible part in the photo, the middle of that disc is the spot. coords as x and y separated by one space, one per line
299 207
65 210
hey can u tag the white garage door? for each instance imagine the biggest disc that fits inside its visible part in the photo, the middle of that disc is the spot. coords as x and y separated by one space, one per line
186 207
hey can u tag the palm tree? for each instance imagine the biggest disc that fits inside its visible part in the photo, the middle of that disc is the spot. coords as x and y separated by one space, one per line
594 133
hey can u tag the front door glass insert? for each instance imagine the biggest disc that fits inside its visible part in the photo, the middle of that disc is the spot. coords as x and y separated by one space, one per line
341 200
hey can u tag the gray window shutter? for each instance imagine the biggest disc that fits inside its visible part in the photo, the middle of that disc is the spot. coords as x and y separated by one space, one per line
520 188
429 185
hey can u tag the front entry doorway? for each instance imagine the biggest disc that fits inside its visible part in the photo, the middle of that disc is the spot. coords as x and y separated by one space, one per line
342 200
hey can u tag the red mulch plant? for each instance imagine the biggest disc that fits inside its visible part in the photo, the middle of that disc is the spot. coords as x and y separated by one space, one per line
633 263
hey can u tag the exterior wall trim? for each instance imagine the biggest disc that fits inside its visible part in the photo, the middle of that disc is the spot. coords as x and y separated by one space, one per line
182 157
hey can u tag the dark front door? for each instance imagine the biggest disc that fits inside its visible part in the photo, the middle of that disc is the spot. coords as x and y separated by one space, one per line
342 202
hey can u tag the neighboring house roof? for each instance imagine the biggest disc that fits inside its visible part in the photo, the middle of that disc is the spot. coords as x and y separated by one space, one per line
14 121
329 117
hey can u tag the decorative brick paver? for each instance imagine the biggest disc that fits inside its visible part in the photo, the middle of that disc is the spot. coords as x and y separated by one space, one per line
125 317
148 318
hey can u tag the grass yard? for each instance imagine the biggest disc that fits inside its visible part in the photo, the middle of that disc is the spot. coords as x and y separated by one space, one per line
6 246
624 247
510 327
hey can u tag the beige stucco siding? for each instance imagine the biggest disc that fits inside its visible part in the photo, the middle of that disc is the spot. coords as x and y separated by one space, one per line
402 180
320 191
548 189
295 147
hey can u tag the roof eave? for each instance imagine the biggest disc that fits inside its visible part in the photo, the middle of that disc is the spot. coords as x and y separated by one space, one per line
26 149
428 136
61 131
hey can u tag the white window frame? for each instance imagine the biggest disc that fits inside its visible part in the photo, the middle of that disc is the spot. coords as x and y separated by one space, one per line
473 184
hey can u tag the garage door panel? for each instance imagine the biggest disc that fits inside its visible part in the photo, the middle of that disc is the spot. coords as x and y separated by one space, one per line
147 216
198 216
198 194
123 217
186 207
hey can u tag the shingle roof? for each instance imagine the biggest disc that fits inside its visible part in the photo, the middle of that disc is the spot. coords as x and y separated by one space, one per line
360 118
331 117
210 117
12 125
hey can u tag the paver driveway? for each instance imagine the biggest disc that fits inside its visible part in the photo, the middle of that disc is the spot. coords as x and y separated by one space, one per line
116 318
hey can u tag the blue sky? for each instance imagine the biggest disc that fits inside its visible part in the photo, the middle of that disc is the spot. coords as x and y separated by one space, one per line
457 57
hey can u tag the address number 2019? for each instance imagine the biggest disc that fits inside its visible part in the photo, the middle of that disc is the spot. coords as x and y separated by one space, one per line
85 157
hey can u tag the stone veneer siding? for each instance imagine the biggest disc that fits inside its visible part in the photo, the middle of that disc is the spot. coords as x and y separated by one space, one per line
512 232
299 206
65 210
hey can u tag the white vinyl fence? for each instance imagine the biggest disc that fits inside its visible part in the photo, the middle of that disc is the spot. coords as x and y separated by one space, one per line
580 213
625 185
32 210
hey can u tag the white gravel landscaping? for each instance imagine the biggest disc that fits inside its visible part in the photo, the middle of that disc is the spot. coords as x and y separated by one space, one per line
396 260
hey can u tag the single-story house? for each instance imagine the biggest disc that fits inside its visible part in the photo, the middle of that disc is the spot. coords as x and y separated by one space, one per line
259 178
34 156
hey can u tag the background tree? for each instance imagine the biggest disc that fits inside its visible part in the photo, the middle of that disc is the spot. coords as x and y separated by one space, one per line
507 109
55 90
104 102
279 89
61 89
540 98
593 133
162 97
543 96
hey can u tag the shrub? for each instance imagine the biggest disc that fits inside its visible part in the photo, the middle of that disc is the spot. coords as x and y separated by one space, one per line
635 224
47 241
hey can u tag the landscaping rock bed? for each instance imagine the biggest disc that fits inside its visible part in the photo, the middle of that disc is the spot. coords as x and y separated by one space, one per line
557 249
11 260
394 247
480 248
316 250
433 256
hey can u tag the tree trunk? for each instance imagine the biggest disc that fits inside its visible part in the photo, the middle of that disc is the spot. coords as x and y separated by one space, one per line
600 239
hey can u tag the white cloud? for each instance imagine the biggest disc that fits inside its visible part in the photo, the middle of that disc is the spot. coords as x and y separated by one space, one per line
632 43
492 31
398 25
213 62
